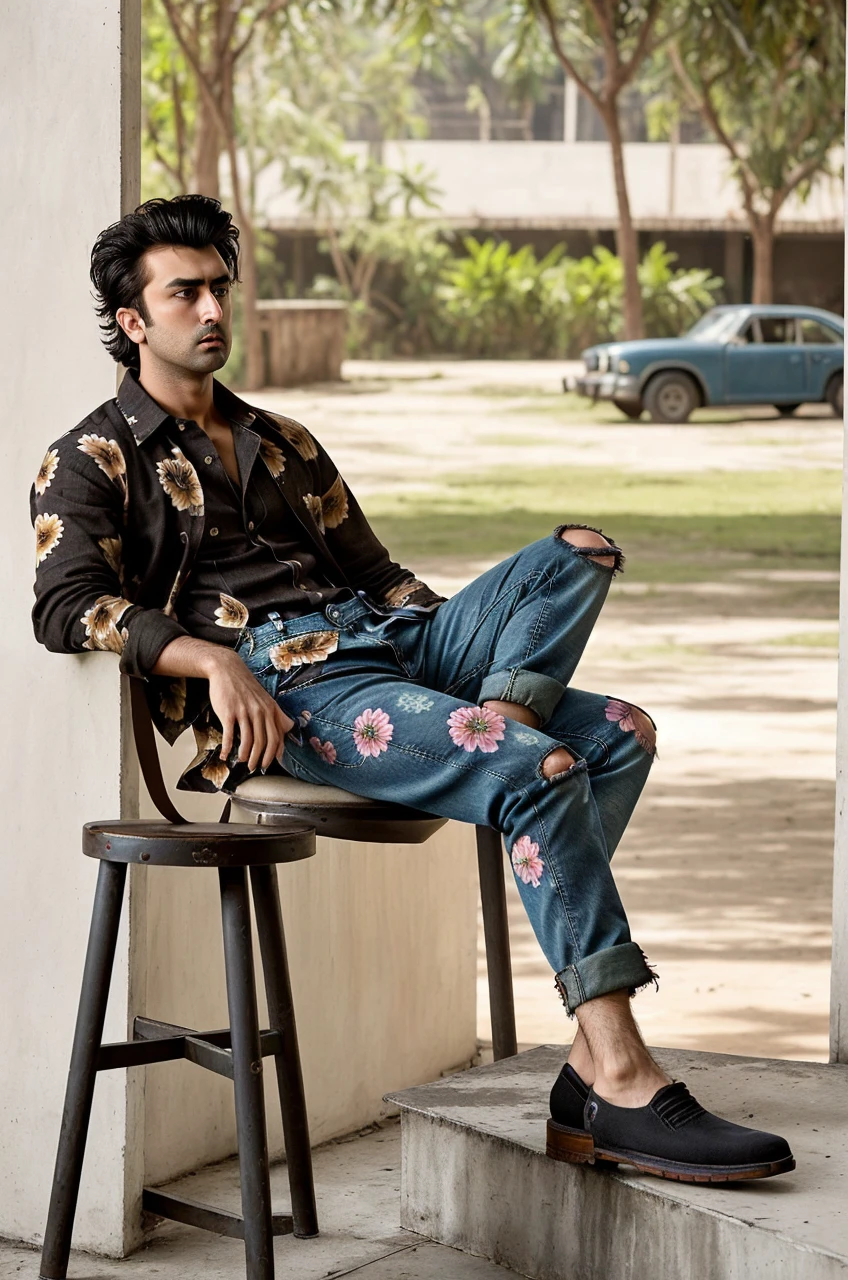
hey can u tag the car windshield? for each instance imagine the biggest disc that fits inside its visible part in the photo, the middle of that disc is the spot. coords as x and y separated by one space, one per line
715 326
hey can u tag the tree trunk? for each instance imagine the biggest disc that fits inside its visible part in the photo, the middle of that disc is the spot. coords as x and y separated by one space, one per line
254 365
207 152
762 237
626 239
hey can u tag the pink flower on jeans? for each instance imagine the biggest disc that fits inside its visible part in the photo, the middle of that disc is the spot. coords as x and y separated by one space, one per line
476 728
632 720
325 750
526 861
372 732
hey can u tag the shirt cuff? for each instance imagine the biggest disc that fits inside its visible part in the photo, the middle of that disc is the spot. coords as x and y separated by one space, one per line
149 631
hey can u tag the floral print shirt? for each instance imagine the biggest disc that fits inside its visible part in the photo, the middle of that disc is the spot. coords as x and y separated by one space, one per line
120 517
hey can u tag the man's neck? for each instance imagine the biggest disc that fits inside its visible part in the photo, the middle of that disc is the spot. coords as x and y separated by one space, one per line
182 394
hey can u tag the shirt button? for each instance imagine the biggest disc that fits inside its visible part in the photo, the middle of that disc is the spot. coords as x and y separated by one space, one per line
208 461
250 525
213 533
181 426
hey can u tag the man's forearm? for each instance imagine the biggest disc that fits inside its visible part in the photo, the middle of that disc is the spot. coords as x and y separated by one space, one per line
187 656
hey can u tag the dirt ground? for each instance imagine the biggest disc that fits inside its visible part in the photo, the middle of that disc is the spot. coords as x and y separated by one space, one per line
726 867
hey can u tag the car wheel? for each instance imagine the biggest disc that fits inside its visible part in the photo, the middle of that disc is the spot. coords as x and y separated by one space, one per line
834 394
629 409
786 410
671 397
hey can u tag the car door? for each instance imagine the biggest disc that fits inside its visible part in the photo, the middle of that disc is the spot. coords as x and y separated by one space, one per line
765 363
823 354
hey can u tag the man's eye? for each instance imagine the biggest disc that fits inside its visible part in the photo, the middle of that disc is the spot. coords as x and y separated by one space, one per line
184 293
223 291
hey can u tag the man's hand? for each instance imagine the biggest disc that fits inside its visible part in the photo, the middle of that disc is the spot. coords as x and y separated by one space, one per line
238 699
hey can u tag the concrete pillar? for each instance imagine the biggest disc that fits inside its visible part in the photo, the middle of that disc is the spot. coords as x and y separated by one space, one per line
69 159
839 963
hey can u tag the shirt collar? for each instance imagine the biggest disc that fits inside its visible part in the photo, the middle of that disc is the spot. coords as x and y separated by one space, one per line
143 415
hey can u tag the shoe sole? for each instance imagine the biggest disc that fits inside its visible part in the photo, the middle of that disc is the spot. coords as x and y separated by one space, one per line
575 1146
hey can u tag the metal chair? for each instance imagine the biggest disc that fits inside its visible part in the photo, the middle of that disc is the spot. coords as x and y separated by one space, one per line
235 1052
342 815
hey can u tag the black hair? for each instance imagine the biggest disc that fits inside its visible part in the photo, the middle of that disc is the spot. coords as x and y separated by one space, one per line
117 270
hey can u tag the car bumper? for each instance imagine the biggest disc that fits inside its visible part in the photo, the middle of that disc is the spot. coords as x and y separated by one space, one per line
604 386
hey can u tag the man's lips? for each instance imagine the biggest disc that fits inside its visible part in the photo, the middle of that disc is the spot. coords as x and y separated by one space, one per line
212 340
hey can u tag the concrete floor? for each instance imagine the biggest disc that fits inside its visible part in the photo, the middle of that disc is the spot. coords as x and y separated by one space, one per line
358 1191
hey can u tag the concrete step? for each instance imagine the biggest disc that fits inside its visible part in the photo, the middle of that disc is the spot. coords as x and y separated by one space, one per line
475 1176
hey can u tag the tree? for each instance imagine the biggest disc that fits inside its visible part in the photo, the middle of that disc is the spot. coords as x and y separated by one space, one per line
767 77
602 44
213 35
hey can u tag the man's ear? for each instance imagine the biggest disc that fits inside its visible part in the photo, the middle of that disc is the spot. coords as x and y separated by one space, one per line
132 324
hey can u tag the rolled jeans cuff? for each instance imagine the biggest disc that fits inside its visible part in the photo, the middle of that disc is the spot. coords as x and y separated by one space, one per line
526 688
613 969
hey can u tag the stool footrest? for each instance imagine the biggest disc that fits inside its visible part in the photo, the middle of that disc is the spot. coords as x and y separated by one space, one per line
206 1216
165 1042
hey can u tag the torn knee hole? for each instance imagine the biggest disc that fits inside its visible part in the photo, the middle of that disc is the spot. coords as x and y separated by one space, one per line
585 540
557 761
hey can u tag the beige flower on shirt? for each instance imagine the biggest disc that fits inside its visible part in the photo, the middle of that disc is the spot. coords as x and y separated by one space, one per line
273 457
48 531
46 471
334 504
101 624
296 435
181 482
397 597
313 506
215 771
313 646
107 454
112 549
172 702
232 613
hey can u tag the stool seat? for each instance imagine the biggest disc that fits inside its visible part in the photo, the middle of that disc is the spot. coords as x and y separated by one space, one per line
198 844
339 814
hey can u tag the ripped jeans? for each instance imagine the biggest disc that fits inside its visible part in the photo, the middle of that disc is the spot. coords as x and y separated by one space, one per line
395 712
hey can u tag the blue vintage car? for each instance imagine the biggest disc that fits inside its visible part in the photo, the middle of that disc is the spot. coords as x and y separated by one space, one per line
778 355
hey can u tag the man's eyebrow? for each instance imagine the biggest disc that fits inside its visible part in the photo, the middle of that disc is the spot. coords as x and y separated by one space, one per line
182 283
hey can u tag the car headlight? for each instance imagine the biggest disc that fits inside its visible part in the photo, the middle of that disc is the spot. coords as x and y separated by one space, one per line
623 366
603 362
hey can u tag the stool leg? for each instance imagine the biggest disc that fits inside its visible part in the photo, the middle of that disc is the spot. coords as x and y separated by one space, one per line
496 933
247 1075
272 943
88 1035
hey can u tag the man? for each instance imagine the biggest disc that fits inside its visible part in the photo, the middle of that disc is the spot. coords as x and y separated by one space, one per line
217 550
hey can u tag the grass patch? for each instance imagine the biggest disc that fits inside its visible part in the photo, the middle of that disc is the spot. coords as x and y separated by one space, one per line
810 640
675 527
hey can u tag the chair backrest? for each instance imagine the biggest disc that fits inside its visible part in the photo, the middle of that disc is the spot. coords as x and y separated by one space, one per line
148 756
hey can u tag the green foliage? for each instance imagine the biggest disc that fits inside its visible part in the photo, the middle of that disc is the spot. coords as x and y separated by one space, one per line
496 301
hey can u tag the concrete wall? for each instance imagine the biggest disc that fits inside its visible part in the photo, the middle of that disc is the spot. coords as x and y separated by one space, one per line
571 184
382 950
61 745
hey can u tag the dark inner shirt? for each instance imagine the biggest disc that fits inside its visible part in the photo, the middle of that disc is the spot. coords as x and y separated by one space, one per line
234 559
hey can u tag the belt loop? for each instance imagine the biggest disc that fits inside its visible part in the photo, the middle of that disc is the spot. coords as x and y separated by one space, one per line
274 617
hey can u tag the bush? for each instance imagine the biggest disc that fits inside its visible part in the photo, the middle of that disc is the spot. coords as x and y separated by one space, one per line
423 298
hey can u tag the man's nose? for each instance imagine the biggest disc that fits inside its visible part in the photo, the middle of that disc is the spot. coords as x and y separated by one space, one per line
209 308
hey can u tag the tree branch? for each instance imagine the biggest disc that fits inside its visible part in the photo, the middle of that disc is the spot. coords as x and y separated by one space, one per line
583 85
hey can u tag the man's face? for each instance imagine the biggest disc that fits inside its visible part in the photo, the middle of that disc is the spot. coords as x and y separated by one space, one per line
188 309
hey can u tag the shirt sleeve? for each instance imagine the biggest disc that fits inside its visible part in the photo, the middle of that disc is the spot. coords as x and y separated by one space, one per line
77 506
366 562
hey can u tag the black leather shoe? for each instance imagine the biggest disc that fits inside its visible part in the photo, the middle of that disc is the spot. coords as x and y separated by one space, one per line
673 1137
568 1104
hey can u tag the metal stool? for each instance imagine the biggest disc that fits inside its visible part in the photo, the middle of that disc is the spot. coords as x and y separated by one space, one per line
345 816
235 1052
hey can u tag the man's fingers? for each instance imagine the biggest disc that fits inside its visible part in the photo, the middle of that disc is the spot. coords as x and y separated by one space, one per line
228 728
245 738
259 737
274 742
